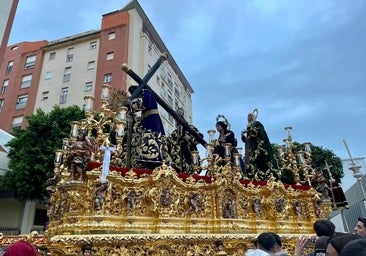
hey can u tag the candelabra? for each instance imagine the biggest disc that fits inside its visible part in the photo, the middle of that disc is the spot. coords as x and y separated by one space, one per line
97 127
298 161
213 163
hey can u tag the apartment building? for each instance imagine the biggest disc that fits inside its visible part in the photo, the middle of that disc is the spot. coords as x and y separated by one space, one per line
20 73
62 72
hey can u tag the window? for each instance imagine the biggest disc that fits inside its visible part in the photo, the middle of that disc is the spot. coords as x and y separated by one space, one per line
52 56
26 81
17 122
170 83
1 104
30 62
48 75
93 46
45 95
70 54
63 96
91 65
110 56
111 35
88 86
9 68
67 74
21 102
108 78
176 92
170 100
4 88
149 49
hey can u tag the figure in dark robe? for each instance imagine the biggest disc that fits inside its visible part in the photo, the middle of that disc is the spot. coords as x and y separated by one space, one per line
226 136
152 136
258 150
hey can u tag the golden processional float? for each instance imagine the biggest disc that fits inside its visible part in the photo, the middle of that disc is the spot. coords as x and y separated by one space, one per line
103 196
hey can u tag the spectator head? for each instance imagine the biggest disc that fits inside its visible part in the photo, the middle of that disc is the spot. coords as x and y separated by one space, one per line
321 244
266 242
324 228
278 245
336 243
355 247
360 228
21 248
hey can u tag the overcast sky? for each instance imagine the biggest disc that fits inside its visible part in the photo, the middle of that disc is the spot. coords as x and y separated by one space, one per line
300 63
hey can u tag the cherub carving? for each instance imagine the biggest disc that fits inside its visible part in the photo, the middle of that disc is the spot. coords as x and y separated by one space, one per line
258 207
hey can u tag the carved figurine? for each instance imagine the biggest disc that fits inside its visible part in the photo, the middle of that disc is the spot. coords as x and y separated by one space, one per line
193 203
79 157
131 200
228 207
257 207
165 197
321 185
99 195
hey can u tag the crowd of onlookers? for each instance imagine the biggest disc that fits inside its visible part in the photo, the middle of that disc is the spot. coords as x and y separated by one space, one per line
325 242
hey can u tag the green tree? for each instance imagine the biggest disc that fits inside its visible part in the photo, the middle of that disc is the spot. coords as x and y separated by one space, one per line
32 150
319 156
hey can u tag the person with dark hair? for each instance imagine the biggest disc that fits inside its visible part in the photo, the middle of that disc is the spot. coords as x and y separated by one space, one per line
324 227
360 228
337 242
278 241
321 245
278 246
355 247
21 248
265 245
258 150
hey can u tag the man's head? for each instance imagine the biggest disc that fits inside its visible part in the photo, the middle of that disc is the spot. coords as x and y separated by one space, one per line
278 245
324 228
360 228
337 243
355 247
266 242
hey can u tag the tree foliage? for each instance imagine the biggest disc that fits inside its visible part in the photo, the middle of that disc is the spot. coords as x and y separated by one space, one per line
32 150
319 156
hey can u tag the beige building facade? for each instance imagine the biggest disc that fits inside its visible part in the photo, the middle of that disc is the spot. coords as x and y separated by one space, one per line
42 74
